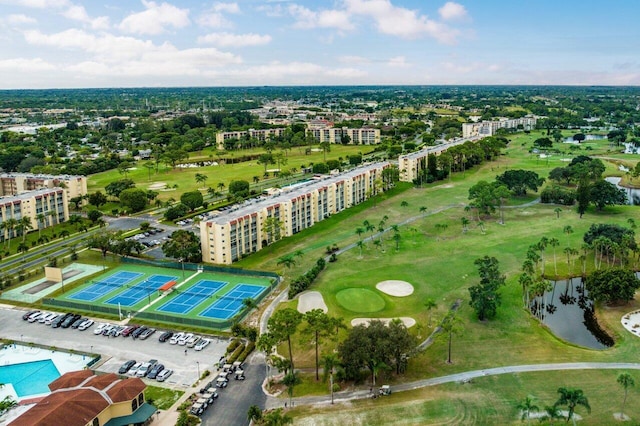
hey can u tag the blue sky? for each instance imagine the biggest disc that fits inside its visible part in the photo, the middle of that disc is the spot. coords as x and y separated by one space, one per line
134 43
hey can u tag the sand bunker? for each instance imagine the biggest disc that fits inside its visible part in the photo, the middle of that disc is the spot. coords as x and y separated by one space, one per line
157 185
408 321
395 288
311 300
631 322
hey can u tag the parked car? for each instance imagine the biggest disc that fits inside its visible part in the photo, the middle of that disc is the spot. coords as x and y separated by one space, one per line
129 329
164 375
100 328
138 331
43 317
58 321
153 374
107 329
133 371
116 331
145 334
77 322
51 319
193 340
203 343
85 324
184 339
146 368
165 336
175 338
26 315
69 320
36 316
127 366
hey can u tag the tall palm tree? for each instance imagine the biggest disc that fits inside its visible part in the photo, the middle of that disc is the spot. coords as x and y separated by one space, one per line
201 178
626 381
553 242
254 414
10 225
527 407
330 361
40 217
572 397
451 325
423 210
557 210
359 231
287 261
430 304
360 245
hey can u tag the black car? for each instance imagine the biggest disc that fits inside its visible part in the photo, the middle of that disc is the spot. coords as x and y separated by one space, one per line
138 332
28 314
148 332
77 322
165 336
127 366
58 321
69 320
155 371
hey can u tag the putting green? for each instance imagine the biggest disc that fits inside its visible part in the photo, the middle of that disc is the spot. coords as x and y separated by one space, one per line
360 300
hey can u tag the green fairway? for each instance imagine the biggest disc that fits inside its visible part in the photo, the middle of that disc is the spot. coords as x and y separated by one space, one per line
360 300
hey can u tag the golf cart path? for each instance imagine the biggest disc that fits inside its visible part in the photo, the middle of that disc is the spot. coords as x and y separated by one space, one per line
465 377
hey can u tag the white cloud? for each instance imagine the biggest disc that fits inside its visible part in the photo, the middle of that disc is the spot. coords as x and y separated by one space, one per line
25 65
272 11
401 22
226 7
452 11
398 62
294 73
354 60
330 18
19 19
37 4
234 40
155 19
78 13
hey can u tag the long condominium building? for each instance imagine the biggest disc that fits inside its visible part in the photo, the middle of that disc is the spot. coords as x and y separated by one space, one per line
260 134
410 165
360 136
489 128
18 183
44 207
256 224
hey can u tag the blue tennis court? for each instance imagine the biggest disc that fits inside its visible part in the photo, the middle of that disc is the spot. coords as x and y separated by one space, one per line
187 300
105 286
139 291
231 303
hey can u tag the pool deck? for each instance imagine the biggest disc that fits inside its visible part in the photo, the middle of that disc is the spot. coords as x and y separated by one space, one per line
18 354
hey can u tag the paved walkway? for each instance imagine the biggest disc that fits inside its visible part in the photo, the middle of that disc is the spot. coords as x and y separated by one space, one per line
273 402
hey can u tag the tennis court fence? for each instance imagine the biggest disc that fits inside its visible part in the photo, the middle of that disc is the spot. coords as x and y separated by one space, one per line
79 306
195 322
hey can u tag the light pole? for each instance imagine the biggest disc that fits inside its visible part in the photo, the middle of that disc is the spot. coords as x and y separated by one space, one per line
91 349
198 364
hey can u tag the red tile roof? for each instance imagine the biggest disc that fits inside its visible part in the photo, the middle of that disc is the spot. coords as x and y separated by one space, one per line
70 380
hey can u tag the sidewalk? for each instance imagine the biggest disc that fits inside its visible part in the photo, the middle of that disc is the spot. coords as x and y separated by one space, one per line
169 417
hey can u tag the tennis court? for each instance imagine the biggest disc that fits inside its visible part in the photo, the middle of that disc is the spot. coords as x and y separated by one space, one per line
106 285
188 300
139 291
230 303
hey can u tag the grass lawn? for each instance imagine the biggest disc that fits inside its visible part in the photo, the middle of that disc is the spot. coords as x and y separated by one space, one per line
436 256
162 398
224 173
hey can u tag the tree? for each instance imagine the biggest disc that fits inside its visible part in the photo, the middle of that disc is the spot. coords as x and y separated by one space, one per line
254 414
543 143
430 304
24 225
330 362
173 213
7 403
97 199
201 178
40 217
612 285
485 298
318 327
402 342
103 241
276 418
519 181
326 147
287 261
571 398
291 380
583 196
94 215
626 381
116 187
134 198
192 199
579 137
238 186
173 156
451 325
10 225
282 325
557 211
603 193
527 406
183 245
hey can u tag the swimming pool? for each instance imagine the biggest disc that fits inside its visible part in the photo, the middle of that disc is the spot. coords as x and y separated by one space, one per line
29 378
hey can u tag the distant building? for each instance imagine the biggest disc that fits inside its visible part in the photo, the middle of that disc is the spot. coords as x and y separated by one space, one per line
80 398
249 228
262 135
410 165
359 136
489 128
17 183
45 207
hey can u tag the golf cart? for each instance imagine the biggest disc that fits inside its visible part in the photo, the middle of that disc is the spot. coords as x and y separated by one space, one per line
210 396
384 390
236 365
197 409
221 381
226 368
239 374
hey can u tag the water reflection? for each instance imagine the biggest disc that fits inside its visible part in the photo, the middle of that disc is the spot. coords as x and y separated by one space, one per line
633 194
568 312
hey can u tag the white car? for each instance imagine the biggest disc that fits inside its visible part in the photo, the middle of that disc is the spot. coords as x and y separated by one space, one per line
134 370
46 316
85 324
164 375
184 339
36 316
100 328
175 338
202 344
193 341
51 319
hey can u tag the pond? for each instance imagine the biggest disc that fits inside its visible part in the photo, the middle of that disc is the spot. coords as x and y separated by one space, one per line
587 138
568 312
633 194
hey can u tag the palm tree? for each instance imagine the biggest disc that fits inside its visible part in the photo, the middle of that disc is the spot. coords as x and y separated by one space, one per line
220 186
430 304
254 414
276 418
553 242
451 325
568 229
481 226
551 412
423 210
201 178
397 238
40 217
290 381
24 225
287 261
330 362
465 224
626 381
557 210
527 406
359 231
404 203
360 245
572 398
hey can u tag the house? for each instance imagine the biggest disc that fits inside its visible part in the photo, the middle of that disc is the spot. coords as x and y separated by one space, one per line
81 398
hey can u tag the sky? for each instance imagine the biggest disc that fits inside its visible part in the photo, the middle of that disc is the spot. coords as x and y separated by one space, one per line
182 43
